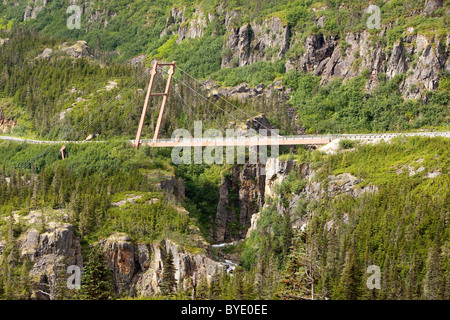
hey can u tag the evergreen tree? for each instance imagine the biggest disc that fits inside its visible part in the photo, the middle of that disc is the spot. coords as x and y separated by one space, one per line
433 276
202 292
301 271
214 288
350 282
238 283
169 283
97 280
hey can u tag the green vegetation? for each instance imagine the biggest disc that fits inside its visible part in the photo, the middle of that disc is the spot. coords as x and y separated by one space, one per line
87 182
202 192
400 224
97 280
401 227
254 74
169 283
347 108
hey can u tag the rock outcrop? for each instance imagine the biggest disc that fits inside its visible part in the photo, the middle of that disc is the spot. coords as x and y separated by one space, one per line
241 194
3 41
138 267
277 171
173 187
6 124
46 54
254 42
51 252
79 50
420 57
33 8
186 28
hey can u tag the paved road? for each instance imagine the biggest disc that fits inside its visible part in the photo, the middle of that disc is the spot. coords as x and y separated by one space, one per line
8 138
310 139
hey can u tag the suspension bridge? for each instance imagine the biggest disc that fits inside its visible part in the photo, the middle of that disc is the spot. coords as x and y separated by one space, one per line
270 138
259 140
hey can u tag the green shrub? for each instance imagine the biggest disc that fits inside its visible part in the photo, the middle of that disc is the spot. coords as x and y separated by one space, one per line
346 144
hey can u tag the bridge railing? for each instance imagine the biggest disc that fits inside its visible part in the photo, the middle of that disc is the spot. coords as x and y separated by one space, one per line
304 137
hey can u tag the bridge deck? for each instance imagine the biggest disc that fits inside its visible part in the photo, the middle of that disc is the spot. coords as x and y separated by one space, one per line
281 140
286 140
235 142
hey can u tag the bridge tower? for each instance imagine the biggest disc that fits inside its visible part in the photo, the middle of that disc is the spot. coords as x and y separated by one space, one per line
165 95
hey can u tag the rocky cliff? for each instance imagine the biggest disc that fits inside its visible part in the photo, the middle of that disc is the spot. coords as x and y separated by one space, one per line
422 57
137 267
50 246
6 124
241 194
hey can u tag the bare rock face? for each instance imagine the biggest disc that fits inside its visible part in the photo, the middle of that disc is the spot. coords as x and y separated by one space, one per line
246 187
421 58
3 41
432 5
187 28
173 187
225 214
197 25
254 42
243 92
251 195
342 184
259 122
276 171
5 123
46 54
79 50
424 74
51 252
33 8
120 255
345 183
318 50
274 93
137 61
60 240
138 268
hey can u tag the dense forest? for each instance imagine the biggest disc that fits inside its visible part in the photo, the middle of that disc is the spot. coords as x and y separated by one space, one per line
125 29
143 227
403 228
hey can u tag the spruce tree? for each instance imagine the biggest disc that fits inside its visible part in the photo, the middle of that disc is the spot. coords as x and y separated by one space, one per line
202 292
97 280
433 272
214 288
349 285
169 283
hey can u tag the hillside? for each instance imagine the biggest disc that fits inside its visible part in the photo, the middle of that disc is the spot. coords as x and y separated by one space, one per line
309 224
322 68
389 211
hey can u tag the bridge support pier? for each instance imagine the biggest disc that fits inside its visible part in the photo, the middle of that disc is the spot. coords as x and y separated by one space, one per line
165 95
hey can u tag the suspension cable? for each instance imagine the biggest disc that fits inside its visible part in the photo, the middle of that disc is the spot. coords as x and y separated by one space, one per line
221 97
